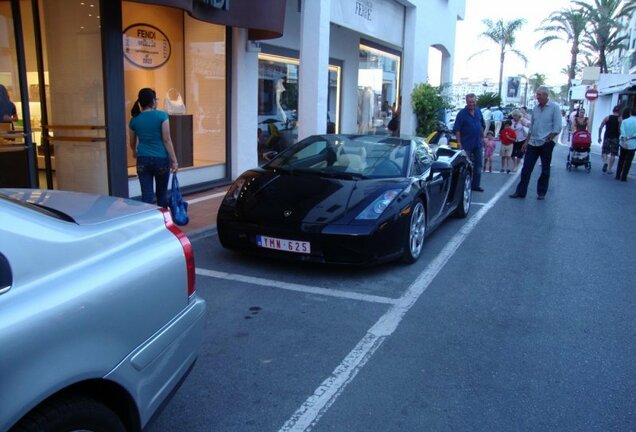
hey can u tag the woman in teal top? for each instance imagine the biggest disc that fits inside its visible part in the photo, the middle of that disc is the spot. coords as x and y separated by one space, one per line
152 146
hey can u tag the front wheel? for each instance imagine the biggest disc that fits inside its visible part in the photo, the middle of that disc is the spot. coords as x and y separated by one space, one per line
465 196
71 414
415 237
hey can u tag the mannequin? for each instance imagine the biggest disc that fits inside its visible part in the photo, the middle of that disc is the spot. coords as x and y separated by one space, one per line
366 110
280 88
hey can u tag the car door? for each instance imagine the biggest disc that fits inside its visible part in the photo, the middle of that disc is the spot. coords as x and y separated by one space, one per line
435 180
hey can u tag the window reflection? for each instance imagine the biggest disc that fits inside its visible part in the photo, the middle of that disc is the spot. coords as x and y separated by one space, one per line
378 89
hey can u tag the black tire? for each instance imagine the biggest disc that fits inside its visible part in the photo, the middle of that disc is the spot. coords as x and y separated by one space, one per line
414 241
71 414
465 196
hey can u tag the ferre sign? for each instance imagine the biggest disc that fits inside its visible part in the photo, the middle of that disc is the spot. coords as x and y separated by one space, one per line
217 4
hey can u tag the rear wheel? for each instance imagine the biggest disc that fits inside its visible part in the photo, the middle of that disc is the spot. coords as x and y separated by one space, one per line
417 229
465 194
70 415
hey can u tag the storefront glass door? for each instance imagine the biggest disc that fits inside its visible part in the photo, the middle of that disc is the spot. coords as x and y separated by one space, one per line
16 149
52 68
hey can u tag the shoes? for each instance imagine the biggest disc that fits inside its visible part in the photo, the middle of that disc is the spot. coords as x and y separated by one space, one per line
491 170
501 170
478 189
508 172
516 195
541 197
605 168
610 172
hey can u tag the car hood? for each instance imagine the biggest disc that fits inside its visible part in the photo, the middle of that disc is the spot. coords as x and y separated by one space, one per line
274 197
81 208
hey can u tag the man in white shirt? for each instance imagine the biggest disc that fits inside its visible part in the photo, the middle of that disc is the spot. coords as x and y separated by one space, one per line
545 126
487 115
498 118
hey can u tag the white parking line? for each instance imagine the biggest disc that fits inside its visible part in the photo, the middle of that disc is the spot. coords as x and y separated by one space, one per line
296 287
326 394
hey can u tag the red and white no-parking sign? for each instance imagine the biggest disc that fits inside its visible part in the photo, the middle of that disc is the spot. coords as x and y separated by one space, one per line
591 94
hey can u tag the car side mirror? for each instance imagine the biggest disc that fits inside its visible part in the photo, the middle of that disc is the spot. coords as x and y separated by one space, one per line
441 167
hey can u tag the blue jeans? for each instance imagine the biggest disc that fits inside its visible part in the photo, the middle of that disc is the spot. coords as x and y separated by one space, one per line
476 155
532 154
153 169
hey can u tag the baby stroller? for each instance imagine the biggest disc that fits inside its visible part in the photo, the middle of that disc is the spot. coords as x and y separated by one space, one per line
579 153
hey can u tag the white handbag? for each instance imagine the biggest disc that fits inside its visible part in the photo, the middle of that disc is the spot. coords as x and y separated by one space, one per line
173 104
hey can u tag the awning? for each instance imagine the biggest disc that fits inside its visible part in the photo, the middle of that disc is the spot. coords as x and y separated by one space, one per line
264 19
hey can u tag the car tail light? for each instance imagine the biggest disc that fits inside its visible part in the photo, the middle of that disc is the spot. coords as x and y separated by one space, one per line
187 249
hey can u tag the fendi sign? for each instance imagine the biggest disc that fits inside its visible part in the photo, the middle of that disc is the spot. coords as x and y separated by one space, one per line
217 4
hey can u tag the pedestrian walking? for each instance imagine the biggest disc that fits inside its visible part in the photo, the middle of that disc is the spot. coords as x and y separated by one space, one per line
609 150
564 127
151 145
628 146
520 125
508 137
487 114
489 150
469 131
581 123
498 118
544 127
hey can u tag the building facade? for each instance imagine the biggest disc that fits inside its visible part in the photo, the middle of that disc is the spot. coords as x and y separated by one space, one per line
239 77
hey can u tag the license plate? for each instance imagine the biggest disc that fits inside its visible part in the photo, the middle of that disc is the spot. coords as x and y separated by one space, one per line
283 244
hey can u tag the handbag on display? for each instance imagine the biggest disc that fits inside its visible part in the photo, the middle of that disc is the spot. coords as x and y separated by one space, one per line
177 205
173 103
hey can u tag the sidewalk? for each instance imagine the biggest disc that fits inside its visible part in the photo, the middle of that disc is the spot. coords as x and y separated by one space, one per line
202 209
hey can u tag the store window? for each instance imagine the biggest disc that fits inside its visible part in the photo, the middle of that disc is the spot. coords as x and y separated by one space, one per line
184 61
278 103
63 96
378 89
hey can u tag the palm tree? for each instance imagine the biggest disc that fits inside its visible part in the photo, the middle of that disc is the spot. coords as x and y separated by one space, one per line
536 80
568 25
605 20
503 34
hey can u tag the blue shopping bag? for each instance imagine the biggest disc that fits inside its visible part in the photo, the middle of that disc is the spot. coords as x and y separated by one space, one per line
178 207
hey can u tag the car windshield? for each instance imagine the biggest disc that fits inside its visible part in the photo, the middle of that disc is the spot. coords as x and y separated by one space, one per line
366 156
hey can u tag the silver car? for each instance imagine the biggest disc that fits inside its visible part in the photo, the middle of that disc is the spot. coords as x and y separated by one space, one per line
99 318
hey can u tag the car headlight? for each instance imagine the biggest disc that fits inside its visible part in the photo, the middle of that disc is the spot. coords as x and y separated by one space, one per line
235 191
379 205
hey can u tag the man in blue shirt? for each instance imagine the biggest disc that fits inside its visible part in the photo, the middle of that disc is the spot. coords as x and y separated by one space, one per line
544 127
469 131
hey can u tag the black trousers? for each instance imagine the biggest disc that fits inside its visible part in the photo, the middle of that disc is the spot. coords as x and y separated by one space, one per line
625 158
533 153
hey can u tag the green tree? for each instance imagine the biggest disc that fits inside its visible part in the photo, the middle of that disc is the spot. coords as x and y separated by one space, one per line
488 100
428 103
536 80
502 33
605 21
567 25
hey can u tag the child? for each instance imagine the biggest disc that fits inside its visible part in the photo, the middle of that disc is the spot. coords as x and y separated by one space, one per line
508 137
489 150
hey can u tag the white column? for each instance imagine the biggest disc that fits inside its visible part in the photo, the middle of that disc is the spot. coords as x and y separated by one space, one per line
244 110
414 67
314 67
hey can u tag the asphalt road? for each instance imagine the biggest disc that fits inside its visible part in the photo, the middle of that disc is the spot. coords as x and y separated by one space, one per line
521 317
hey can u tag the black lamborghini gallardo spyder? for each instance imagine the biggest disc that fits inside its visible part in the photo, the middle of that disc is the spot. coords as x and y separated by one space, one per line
349 199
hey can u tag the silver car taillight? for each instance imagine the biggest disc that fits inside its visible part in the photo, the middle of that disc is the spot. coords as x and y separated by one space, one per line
187 249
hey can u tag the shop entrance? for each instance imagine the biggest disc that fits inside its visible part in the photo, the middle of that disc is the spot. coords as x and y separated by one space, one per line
51 66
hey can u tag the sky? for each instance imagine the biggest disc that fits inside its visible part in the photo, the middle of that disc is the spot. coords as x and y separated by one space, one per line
550 60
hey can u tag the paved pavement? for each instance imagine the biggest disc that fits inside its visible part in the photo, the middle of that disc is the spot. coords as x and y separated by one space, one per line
202 210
